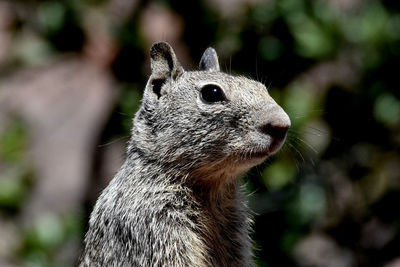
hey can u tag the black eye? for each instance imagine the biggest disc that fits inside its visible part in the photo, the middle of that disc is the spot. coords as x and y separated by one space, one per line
212 93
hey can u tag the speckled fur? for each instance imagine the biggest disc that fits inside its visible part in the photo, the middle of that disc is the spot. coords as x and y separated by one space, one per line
177 201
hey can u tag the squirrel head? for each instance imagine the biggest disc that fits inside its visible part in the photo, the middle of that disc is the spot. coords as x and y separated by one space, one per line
206 122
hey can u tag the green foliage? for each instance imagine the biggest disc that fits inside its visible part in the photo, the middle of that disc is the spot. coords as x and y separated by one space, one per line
387 109
299 103
270 48
13 141
279 174
16 175
46 237
309 204
15 183
311 38
52 16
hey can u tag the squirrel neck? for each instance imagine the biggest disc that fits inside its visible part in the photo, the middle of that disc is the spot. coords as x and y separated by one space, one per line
205 182
218 210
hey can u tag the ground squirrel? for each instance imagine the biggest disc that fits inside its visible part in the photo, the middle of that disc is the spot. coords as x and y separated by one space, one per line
177 199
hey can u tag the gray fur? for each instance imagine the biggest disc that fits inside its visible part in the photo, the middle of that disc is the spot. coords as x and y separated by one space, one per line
177 199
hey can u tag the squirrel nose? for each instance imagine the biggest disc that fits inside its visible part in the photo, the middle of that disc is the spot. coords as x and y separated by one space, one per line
277 132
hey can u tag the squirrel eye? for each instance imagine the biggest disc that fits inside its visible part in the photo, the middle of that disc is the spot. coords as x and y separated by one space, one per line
212 93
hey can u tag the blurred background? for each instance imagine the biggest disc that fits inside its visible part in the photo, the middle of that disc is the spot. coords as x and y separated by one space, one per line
72 74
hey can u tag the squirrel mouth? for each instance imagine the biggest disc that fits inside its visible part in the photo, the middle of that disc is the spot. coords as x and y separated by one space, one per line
263 153
257 155
260 154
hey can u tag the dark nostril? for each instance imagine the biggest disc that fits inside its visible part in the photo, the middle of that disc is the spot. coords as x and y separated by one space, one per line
275 131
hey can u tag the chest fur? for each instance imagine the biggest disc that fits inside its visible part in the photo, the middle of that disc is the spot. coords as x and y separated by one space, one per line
225 231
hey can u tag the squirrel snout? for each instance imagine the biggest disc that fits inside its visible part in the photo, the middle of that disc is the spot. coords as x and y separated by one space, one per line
276 128
277 132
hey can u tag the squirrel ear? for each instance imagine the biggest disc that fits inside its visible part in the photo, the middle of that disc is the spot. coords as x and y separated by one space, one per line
209 60
164 64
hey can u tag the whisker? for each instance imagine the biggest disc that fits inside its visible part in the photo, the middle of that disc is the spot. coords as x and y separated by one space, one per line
298 152
308 145
294 112
113 141
226 67
296 162
257 69
124 114
230 65
320 133
317 130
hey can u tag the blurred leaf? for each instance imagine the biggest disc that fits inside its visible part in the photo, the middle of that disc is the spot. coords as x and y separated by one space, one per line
394 27
387 109
73 225
49 231
32 50
95 2
299 103
323 11
265 13
59 23
48 235
270 48
13 188
309 204
51 16
261 263
36 259
290 239
13 141
311 39
45 234
279 174
290 7
369 26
